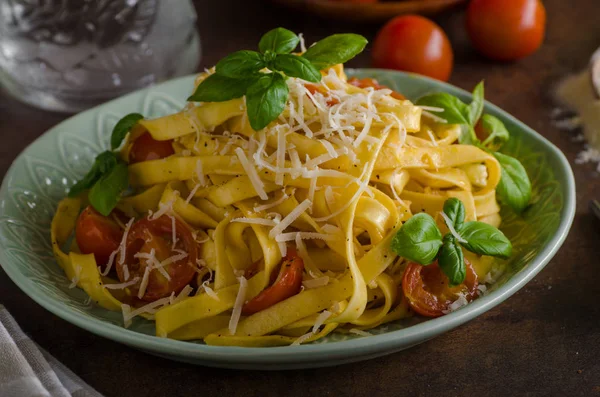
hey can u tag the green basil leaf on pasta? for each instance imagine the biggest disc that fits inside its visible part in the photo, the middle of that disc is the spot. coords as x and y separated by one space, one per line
418 240
455 210
240 64
494 131
295 66
451 260
455 111
103 163
514 188
216 88
105 194
335 49
279 40
484 239
475 108
122 127
266 99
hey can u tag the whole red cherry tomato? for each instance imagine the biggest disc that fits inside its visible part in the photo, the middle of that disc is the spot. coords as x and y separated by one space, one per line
506 30
414 44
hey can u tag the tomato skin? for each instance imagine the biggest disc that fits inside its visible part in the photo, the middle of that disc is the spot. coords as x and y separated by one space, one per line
313 89
146 234
146 148
97 234
287 284
506 30
414 44
427 291
369 82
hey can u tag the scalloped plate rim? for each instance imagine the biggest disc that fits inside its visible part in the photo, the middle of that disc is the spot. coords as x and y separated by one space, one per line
312 355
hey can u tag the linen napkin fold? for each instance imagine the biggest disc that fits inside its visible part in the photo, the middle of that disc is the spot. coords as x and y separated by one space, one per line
26 370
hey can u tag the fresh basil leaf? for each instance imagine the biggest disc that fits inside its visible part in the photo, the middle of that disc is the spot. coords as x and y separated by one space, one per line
217 88
418 240
338 48
455 210
494 131
105 194
451 260
475 108
279 40
122 128
240 64
104 162
485 239
266 99
514 188
467 135
295 66
269 56
455 112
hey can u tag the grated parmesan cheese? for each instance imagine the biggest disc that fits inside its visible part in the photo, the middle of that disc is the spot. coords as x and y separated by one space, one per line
237 307
316 282
302 339
144 283
451 228
321 318
76 278
294 236
257 183
275 203
122 248
122 285
255 221
290 218
282 248
457 304
209 291
126 272
360 332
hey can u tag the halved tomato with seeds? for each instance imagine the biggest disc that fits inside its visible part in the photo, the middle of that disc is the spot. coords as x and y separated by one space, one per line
162 254
428 290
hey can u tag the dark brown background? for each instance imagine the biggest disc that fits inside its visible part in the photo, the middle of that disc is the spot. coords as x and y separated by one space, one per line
545 340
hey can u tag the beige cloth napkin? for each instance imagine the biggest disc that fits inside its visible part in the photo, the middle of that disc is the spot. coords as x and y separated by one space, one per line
26 370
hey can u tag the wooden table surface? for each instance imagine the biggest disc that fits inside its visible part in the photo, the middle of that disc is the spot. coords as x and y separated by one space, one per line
544 340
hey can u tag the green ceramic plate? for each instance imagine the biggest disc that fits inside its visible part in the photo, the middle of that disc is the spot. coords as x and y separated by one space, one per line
41 175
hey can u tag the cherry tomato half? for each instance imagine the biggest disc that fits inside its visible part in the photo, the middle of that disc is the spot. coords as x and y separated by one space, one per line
369 82
97 234
414 44
287 284
506 30
146 235
146 148
428 291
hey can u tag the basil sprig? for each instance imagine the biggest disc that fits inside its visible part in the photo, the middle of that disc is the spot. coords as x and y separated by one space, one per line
261 75
420 240
108 178
514 188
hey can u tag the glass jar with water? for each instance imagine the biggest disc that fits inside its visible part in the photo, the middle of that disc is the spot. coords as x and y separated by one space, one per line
69 55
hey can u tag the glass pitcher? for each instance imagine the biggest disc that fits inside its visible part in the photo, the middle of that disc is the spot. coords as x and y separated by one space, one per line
69 55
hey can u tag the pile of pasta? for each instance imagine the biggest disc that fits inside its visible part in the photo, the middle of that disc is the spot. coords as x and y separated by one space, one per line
333 177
